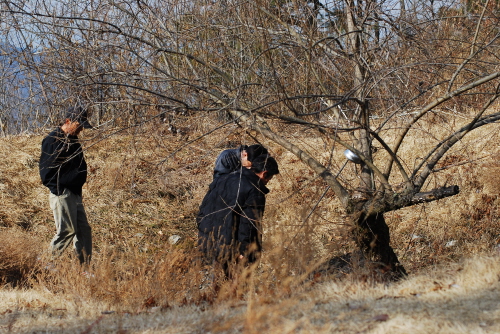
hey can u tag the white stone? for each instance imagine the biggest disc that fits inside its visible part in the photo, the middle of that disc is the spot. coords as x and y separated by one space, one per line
173 239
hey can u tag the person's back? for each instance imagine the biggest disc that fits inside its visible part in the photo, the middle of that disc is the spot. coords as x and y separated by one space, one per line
230 214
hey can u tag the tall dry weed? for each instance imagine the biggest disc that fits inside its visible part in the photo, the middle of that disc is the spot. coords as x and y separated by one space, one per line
136 281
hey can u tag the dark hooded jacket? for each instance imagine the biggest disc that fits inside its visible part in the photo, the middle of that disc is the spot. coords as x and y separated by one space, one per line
230 215
62 164
228 161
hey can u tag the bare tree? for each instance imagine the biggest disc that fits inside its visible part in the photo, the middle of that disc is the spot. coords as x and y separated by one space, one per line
356 73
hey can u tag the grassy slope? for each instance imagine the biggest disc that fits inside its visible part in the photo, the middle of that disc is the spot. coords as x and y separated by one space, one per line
136 201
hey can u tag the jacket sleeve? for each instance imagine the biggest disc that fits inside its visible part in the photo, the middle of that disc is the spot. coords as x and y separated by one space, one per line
205 208
48 165
249 230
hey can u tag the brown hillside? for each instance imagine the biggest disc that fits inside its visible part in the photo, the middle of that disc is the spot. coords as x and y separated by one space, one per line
145 186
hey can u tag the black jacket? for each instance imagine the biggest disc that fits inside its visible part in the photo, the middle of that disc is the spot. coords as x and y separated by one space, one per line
230 215
62 164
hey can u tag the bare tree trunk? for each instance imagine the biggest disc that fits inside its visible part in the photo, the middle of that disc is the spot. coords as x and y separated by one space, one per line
372 236
371 233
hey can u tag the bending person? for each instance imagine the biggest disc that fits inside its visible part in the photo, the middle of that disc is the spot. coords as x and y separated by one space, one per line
229 220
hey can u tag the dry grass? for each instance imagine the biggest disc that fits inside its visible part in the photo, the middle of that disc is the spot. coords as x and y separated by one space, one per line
18 253
139 194
456 298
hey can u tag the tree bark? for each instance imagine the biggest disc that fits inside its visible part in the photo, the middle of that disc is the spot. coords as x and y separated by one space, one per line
372 236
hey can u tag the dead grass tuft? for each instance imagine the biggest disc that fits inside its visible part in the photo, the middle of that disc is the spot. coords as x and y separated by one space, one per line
19 254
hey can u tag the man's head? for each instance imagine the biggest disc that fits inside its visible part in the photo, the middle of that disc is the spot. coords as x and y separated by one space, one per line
75 121
265 167
249 153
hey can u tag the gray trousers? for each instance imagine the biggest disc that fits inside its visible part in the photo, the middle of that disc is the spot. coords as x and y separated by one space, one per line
71 225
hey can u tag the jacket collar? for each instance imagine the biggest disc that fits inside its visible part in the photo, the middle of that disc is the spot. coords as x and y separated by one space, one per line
255 180
60 133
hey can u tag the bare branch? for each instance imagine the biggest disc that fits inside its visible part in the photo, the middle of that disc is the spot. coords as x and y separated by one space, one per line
434 104
321 170
434 195
446 144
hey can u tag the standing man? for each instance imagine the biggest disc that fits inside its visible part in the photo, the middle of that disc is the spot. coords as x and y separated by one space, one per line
229 220
233 159
64 171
